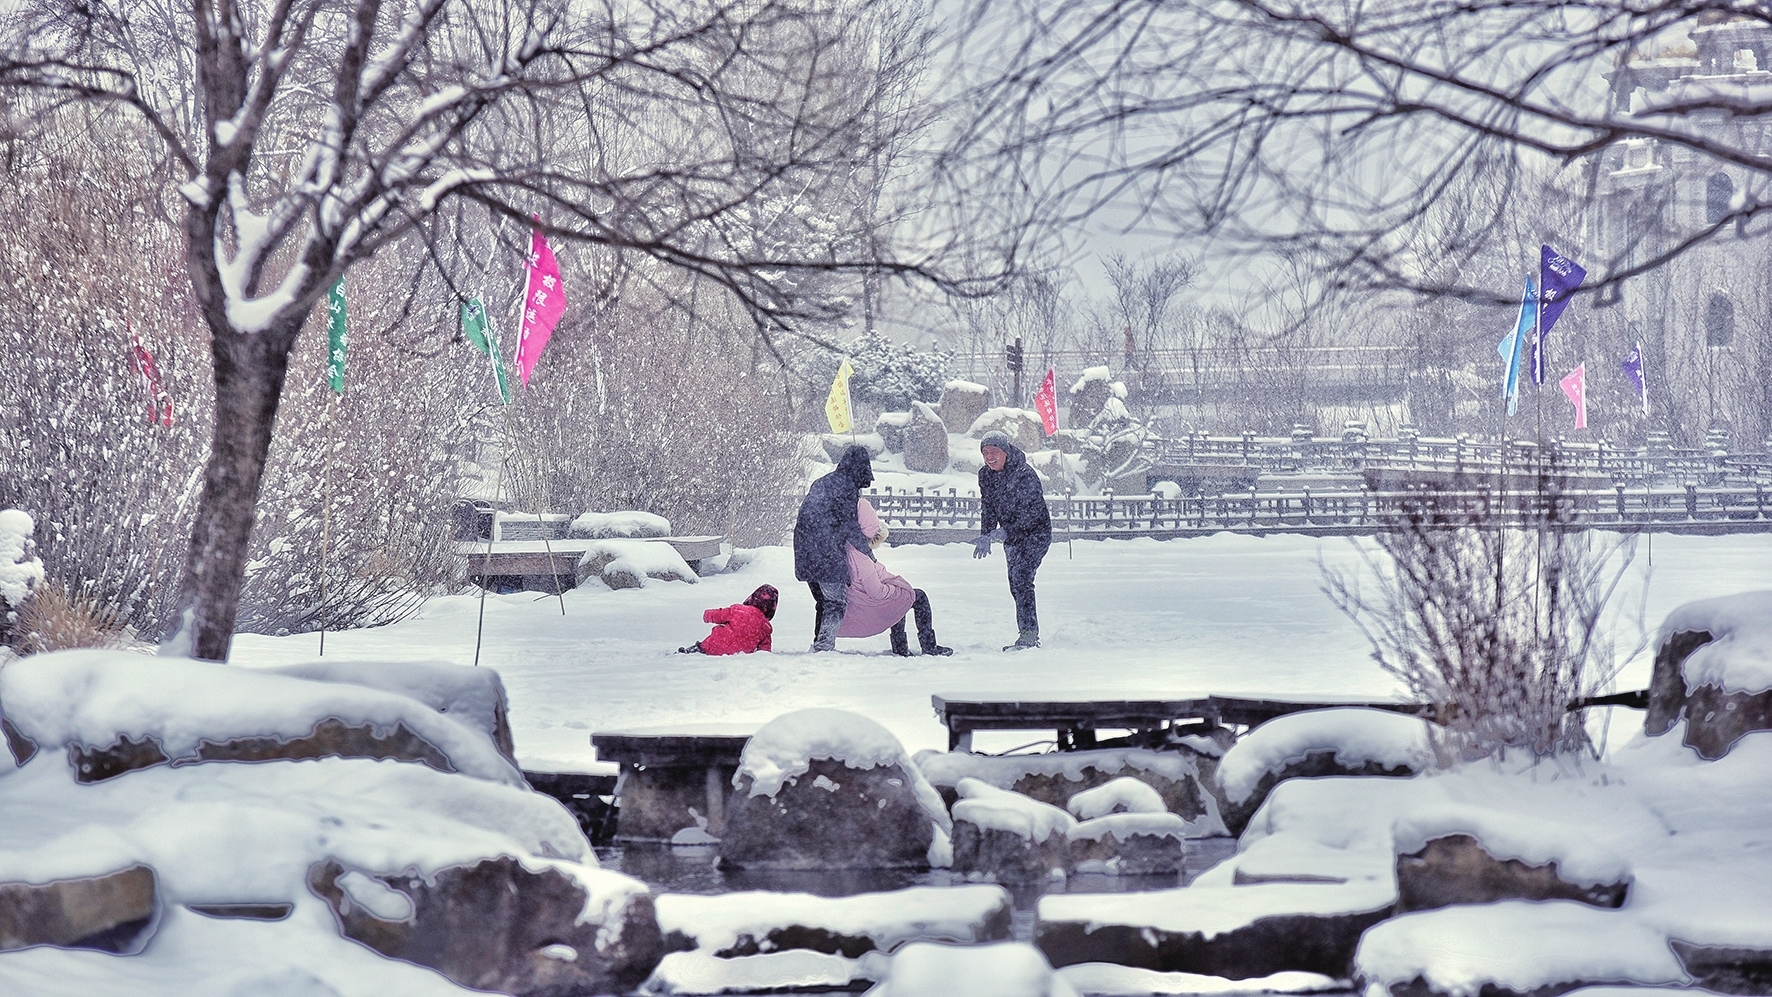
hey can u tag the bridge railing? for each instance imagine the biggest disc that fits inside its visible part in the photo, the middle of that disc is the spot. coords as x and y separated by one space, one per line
925 517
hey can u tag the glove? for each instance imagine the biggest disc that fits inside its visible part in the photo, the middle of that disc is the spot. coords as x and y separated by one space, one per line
981 546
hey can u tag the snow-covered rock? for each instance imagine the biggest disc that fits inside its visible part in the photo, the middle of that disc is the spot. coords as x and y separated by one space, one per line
890 427
1004 969
1023 428
1238 932
110 913
626 525
829 789
1713 667
1129 844
629 564
1101 979
1179 776
1087 396
1314 743
734 925
925 441
116 711
1514 946
21 570
1116 796
962 402
1007 835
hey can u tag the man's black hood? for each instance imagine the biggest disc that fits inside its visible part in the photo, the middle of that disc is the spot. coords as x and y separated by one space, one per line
857 466
1001 442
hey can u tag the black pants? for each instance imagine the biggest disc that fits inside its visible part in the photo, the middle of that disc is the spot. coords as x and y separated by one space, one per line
1024 560
925 627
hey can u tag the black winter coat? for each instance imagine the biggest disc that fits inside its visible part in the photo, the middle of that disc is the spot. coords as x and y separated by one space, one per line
828 524
1014 499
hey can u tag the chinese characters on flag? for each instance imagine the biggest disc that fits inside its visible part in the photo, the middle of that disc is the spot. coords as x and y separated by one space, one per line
544 300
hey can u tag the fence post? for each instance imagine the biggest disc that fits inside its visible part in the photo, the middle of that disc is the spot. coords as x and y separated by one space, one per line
1691 500
1620 489
1307 505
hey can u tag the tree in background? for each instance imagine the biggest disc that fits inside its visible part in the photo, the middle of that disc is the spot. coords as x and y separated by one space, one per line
307 136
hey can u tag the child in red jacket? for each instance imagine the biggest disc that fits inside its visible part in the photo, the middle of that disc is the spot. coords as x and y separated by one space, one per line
740 629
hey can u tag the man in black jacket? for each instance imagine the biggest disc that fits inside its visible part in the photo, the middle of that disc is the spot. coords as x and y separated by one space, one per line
826 526
1014 512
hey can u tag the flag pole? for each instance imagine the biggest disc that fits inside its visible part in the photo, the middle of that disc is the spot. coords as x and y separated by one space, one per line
504 448
326 516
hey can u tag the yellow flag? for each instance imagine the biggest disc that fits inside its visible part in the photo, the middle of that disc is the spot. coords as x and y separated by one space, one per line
836 407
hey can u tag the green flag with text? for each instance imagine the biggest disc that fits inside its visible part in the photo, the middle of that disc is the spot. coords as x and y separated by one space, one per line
478 330
336 336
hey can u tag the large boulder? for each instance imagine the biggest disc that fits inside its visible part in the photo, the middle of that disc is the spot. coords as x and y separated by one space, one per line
963 401
925 441
1129 844
1713 669
111 913
1182 777
890 427
1314 744
828 789
137 712
498 925
1023 428
1088 395
1008 836
1457 869
1236 932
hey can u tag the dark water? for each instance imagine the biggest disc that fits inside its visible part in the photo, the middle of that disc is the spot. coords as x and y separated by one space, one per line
691 869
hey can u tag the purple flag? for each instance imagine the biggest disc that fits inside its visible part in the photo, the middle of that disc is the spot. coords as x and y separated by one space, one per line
1633 369
1558 277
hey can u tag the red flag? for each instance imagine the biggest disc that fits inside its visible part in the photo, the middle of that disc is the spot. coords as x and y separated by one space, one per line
1575 386
1046 402
159 400
544 300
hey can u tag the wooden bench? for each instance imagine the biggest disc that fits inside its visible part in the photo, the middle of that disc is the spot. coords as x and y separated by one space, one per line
1075 721
671 775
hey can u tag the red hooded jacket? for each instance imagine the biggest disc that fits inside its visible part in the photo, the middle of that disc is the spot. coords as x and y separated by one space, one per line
742 629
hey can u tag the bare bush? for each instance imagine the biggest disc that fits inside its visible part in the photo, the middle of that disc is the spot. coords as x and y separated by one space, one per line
1500 629
54 619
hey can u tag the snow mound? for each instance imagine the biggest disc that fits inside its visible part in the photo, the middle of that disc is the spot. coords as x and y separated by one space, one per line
92 697
1536 841
1739 659
1001 969
1357 735
20 571
631 563
1519 945
1210 911
988 807
781 749
1124 794
968 386
1091 374
1104 979
631 524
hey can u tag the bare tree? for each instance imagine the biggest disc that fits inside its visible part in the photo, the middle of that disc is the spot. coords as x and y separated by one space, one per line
306 136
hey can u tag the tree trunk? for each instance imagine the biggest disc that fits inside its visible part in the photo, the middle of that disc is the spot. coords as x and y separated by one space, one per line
249 373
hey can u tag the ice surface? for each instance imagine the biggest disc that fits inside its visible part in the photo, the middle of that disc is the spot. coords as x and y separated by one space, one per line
1356 735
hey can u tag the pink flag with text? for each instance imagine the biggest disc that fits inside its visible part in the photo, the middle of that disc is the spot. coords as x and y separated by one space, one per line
544 301
1046 402
1575 386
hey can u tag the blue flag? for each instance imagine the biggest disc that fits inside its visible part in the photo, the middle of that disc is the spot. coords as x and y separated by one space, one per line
1558 277
1633 369
1514 343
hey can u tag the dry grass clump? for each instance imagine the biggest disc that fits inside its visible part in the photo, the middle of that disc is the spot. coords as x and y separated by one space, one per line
54 619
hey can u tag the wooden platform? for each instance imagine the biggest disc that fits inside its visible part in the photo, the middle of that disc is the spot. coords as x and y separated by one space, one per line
672 778
560 557
1075 721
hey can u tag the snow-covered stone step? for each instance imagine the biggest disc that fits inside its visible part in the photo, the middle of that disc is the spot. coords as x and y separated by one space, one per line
1236 932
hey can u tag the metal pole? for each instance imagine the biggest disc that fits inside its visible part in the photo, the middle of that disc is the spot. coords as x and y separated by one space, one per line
326 522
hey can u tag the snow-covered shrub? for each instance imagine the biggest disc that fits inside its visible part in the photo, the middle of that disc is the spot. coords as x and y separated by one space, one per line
1501 629
888 376
52 619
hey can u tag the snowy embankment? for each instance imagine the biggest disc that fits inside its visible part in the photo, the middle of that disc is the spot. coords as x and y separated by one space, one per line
1229 614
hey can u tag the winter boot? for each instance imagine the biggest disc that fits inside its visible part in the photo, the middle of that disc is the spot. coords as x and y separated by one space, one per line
1027 639
828 625
694 648
901 644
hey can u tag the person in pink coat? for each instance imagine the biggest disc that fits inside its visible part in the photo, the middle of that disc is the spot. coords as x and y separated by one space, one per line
880 600
739 629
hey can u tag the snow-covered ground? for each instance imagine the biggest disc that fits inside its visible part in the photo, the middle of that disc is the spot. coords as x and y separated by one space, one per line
1223 614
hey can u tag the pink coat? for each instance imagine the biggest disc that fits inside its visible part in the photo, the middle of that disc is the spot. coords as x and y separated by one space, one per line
877 597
